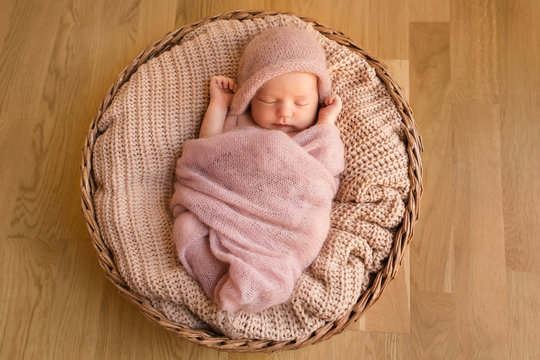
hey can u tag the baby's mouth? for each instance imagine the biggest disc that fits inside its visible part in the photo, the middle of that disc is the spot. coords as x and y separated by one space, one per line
281 125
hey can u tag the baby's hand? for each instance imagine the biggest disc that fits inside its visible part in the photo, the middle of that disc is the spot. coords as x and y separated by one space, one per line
329 113
222 90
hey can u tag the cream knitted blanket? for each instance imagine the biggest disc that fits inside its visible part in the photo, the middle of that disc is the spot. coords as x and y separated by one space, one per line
161 107
252 210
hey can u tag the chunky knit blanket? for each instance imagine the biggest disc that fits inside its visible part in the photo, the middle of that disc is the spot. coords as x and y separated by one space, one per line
144 131
252 210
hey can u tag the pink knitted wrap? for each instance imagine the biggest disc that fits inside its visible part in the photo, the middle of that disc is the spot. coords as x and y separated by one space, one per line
252 211
275 52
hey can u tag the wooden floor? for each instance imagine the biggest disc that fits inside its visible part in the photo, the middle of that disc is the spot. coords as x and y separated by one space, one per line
470 286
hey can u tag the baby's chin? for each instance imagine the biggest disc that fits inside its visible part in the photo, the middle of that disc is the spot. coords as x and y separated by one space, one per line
284 128
291 131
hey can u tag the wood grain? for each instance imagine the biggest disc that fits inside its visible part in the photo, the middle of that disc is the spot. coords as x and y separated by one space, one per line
475 59
470 284
521 129
434 331
429 10
479 231
524 315
430 76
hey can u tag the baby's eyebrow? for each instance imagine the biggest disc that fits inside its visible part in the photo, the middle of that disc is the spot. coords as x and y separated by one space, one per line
264 93
261 92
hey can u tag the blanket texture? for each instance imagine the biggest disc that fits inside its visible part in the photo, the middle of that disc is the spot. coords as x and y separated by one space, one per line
252 210
144 132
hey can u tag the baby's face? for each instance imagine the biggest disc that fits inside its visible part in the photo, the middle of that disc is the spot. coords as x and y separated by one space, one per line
287 102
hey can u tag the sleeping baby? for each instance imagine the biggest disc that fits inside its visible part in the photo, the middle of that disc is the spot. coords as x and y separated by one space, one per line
253 194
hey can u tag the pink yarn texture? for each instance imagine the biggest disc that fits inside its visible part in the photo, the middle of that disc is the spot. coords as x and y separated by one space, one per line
252 209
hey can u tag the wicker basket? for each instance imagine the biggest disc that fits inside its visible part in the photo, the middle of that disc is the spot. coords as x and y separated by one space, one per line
380 281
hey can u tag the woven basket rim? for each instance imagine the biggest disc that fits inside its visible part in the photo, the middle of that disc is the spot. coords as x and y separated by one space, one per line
382 278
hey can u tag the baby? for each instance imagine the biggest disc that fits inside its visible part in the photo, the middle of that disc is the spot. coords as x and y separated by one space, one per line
252 206
283 79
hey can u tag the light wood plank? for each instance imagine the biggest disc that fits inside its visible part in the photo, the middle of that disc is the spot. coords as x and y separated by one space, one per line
151 28
524 290
434 331
6 13
479 232
475 59
13 141
28 268
521 129
26 48
432 247
73 322
381 27
429 10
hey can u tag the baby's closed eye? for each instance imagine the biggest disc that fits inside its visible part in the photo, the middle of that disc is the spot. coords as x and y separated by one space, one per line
267 101
302 100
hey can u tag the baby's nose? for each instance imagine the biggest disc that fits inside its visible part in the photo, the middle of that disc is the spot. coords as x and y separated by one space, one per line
284 110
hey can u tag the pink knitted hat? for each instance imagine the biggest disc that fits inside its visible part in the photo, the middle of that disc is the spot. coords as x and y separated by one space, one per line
274 52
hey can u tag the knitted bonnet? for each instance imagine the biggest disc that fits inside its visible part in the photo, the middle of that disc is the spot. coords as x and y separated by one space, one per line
274 52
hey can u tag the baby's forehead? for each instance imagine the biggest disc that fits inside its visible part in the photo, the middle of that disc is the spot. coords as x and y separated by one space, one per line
300 87
302 93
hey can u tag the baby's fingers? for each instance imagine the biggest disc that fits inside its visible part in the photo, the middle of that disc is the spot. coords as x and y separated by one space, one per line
226 83
332 99
222 82
231 85
328 100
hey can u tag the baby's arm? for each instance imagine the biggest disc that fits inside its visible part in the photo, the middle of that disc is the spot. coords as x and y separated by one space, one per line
332 108
221 93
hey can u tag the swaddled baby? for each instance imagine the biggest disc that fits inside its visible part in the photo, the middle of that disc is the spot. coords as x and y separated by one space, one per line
253 194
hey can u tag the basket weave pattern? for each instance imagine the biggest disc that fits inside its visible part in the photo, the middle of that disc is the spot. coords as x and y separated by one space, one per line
382 278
